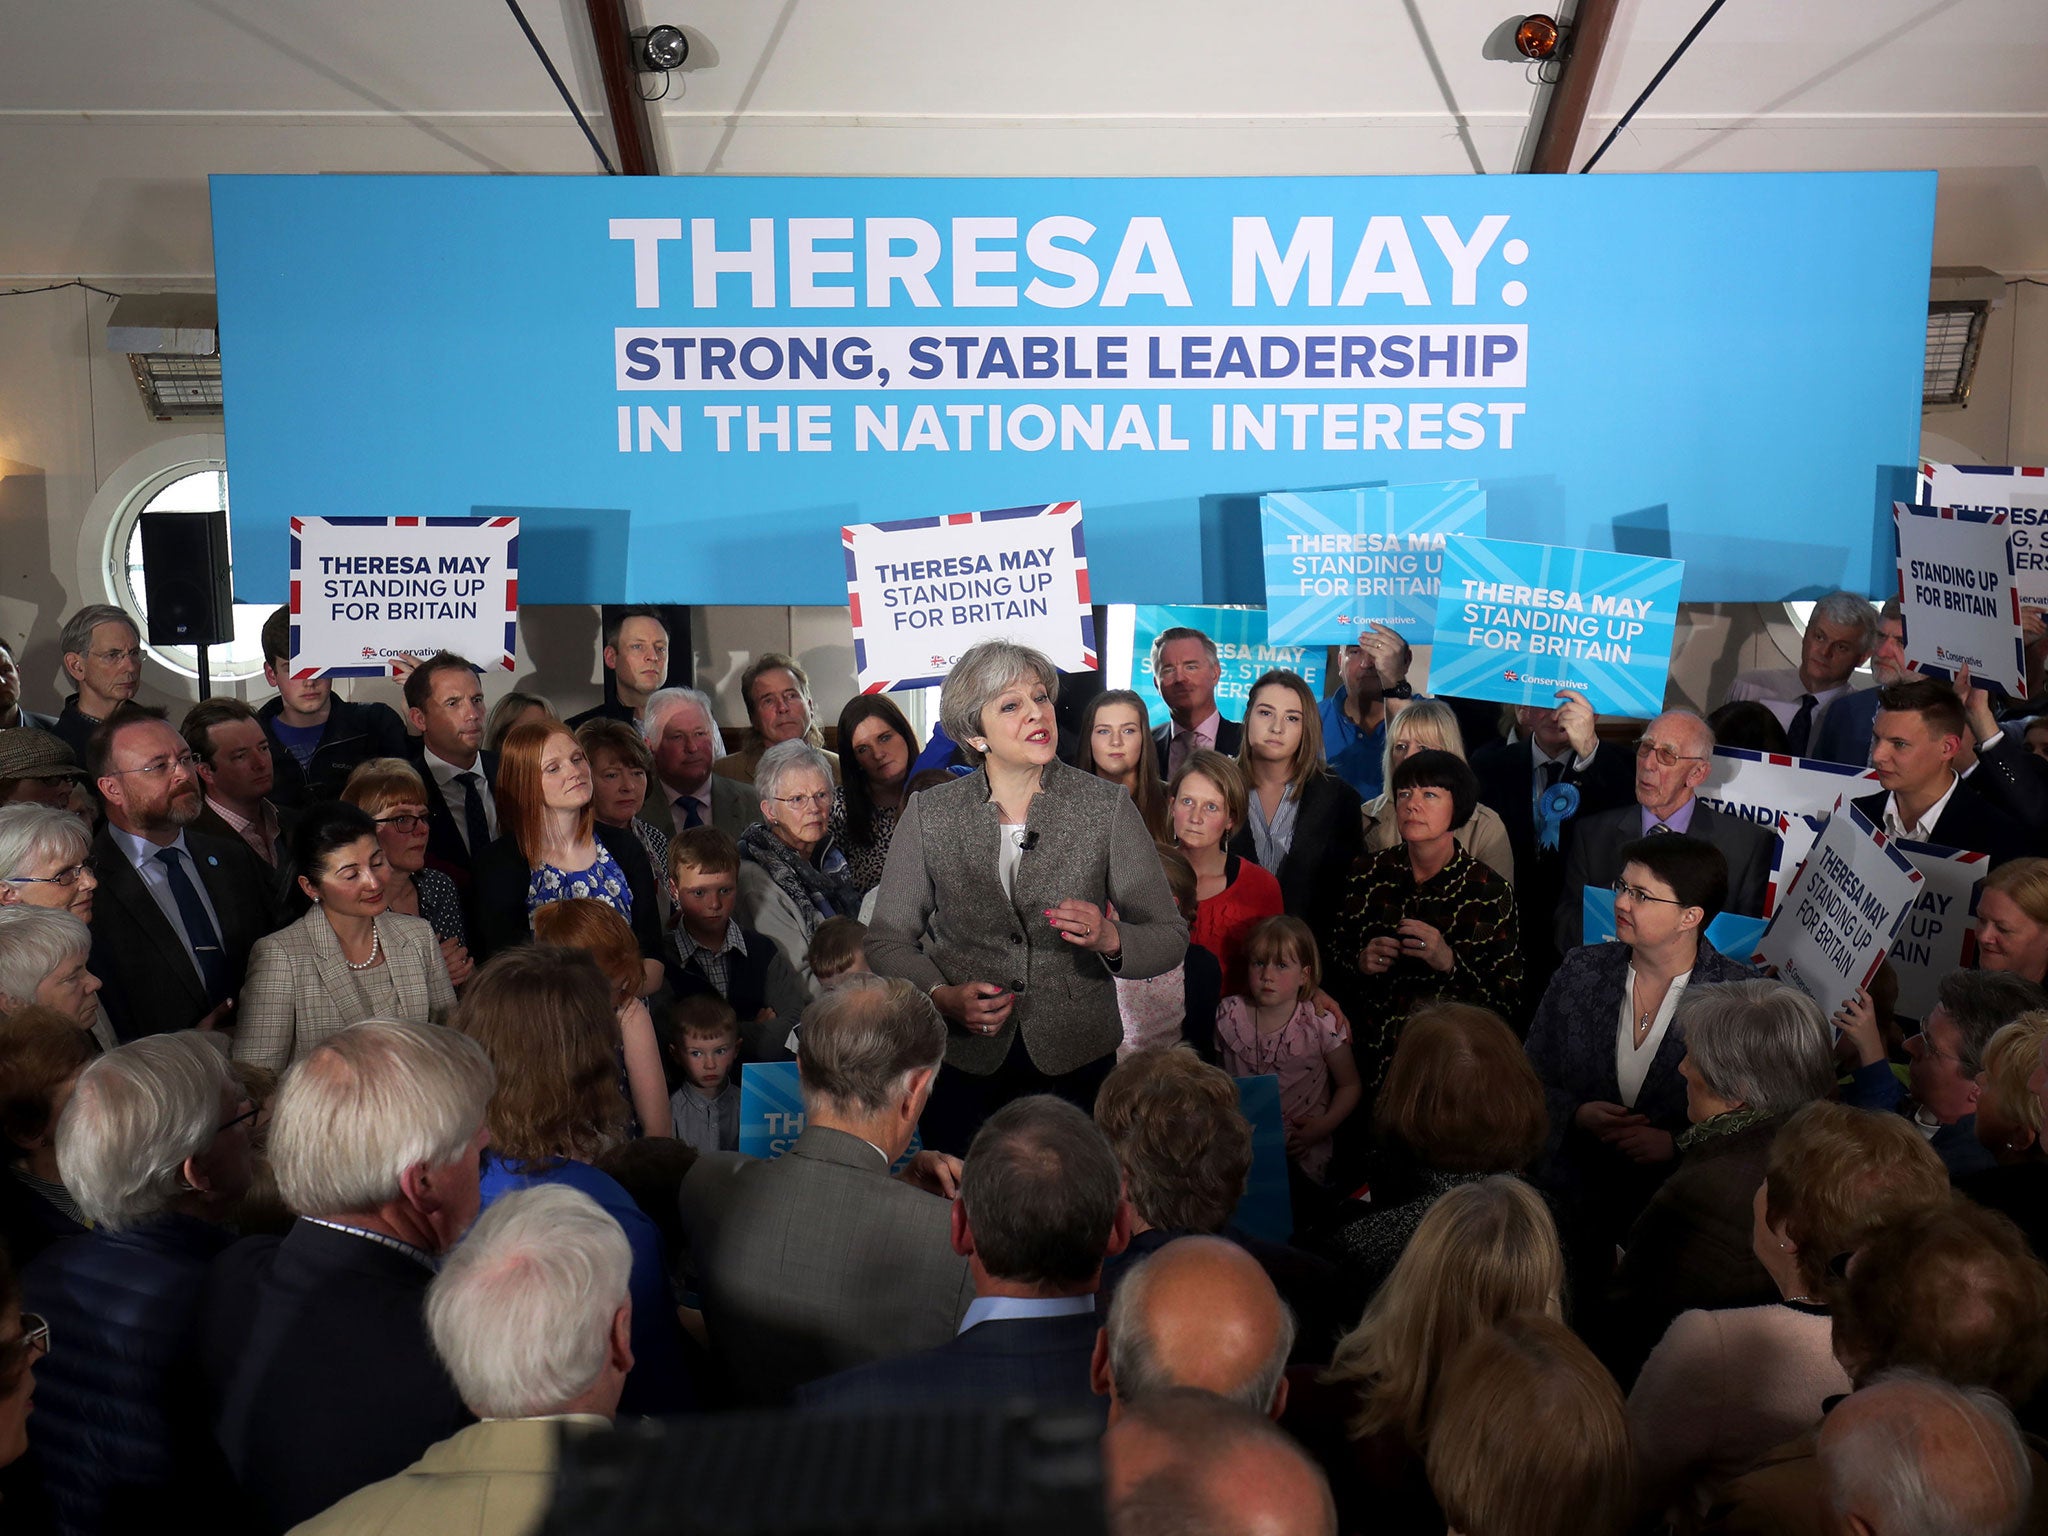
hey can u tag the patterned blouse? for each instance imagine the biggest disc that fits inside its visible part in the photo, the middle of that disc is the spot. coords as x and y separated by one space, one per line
440 906
1467 902
864 861
604 881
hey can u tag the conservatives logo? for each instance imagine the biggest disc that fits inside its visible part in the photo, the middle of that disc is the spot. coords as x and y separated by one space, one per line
1531 680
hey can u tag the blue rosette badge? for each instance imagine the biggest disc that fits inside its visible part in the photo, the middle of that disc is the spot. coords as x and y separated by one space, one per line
1554 807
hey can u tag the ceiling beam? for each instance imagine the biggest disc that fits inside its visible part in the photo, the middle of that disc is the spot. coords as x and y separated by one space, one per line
628 112
1564 111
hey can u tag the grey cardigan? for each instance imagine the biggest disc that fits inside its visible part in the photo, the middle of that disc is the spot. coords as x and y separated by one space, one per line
942 918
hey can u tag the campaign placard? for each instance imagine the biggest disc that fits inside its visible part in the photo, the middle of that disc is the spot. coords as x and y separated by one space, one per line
772 1112
1267 1208
1730 932
1842 910
1957 598
1519 622
1940 933
1791 796
1338 561
922 590
2020 491
368 590
1242 651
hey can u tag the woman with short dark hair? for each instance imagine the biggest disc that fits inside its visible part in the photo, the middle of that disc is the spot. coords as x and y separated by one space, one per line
1424 919
545 1017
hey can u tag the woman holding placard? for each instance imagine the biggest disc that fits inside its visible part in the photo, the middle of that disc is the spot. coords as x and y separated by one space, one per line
1301 820
1015 896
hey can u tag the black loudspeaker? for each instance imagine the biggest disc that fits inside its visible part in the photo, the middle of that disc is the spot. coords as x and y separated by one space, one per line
185 578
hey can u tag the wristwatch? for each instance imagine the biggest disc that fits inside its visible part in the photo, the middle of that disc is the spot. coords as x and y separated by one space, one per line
1400 690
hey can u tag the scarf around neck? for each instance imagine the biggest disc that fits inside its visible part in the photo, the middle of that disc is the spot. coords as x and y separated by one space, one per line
817 892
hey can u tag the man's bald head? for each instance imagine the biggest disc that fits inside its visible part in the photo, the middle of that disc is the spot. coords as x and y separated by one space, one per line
1199 1313
1912 1454
1185 1460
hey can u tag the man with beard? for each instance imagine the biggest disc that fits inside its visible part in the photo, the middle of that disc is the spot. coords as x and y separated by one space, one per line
177 909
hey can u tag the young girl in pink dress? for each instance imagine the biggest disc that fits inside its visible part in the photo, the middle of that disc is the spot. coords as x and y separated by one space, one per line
1274 1027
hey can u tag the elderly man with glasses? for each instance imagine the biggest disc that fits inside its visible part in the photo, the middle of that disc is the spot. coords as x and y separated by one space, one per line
177 910
103 658
1673 758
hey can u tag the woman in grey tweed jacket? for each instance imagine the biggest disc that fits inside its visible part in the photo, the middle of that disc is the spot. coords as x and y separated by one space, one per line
1015 896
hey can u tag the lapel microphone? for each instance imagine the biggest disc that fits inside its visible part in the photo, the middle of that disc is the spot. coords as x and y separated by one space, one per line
1028 841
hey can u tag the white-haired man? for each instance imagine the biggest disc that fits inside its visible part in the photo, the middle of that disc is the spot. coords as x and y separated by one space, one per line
685 740
315 1344
819 1261
532 1317
1839 638
1910 1454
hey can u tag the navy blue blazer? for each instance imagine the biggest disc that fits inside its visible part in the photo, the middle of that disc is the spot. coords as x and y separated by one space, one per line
1329 837
1042 1358
1229 735
323 1379
1571 1046
1843 734
1968 821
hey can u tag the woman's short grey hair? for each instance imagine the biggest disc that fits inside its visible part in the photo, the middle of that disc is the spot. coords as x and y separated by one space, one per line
137 1114
1758 1043
34 941
370 1102
34 834
521 1312
977 677
864 1038
1849 608
785 758
664 702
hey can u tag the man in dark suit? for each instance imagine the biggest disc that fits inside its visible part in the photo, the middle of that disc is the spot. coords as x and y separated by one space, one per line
684 792
1199 1313
103 657
1186 670
1920 728
13 716
1673 758
1842 734
178 910
1551 746
236 768
445 699
819 1260
317 740
636 655
1048 1192
315 1345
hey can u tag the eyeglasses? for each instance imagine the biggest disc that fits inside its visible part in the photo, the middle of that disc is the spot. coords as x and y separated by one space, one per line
1927 1050
1637 893
32 1345
250 1113
818 801
405 821
1664 755
64 877
186 760
115 658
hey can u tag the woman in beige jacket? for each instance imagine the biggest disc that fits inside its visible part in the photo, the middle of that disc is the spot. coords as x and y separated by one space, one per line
1424 724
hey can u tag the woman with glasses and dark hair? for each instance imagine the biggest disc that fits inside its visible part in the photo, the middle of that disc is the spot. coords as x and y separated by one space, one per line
1424 919
347 959
1602 1039
392 792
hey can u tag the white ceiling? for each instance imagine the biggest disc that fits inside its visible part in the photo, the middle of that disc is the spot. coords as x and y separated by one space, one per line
113 112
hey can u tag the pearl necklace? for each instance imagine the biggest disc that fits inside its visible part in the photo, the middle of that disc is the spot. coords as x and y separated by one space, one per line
375 938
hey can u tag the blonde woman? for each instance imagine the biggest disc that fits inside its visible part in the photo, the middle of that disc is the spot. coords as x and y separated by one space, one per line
2012 920
2009 1120
1483 1253
1430 724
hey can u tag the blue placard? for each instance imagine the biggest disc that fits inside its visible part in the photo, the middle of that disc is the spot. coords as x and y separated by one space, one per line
1267 1209
1337 561
772 1112
1243 652
1519 622
684 386
1731 933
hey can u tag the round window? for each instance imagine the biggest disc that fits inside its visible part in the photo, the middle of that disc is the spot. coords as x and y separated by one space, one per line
192 486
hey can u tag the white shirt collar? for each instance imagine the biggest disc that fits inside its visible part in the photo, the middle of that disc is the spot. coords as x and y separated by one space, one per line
1921 831
443 770
141 850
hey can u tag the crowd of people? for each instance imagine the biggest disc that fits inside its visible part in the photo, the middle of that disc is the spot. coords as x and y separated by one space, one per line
371 1106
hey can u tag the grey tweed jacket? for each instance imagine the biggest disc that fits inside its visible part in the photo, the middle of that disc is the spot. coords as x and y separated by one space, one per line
300 989
942 918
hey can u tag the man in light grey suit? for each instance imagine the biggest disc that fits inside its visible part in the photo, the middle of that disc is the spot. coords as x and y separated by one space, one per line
682 735
819 1260
1673 758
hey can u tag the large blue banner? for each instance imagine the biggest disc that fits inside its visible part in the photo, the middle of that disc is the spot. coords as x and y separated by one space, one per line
684 386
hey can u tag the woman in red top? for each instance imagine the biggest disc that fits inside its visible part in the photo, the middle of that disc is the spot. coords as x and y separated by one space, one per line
1208 801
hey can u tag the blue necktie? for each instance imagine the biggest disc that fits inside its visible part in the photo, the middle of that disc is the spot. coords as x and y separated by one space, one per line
692 817
213 960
